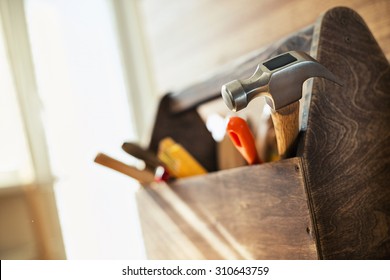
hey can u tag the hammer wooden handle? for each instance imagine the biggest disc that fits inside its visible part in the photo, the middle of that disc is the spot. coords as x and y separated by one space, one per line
286 124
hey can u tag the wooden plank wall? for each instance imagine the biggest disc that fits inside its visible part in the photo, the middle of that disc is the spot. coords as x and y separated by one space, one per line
189 39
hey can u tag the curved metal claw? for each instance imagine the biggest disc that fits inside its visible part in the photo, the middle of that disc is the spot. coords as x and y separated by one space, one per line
279 79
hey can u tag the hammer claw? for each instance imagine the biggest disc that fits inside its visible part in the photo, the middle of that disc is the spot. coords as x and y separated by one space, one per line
280 79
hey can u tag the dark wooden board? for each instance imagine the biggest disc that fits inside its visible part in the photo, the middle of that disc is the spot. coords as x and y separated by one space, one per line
254 212
346 148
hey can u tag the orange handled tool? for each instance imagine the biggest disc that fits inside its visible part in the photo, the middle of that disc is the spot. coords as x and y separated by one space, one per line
242 138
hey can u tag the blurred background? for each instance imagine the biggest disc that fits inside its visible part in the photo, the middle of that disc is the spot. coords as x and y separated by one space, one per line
78 77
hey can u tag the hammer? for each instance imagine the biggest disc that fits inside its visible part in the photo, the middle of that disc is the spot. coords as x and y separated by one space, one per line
280 80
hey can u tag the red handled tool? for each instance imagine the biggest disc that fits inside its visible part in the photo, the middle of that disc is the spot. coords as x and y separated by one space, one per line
242 138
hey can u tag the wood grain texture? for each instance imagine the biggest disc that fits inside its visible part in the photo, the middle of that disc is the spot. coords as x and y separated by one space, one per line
286 124
190 39
346 148
235 214
345 156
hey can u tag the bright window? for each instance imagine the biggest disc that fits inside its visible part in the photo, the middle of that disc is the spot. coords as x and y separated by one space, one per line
15 163
81 83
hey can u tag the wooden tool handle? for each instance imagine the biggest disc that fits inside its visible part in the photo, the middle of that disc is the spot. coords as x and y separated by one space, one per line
286 124
142 176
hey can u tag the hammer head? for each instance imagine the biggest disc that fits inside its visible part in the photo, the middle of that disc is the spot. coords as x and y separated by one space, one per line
279 79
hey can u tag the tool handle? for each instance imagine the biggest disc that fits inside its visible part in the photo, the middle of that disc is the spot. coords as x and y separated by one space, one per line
286 124
242 138
142 176
179 162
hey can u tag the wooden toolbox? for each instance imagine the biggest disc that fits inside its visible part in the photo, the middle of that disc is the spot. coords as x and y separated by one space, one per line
330 201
